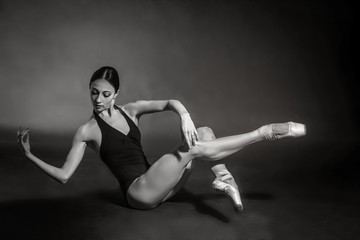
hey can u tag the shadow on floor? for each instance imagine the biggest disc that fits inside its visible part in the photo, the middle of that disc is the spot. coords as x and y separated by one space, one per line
199 201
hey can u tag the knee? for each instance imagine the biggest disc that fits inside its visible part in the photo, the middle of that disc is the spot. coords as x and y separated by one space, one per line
205 134
203 150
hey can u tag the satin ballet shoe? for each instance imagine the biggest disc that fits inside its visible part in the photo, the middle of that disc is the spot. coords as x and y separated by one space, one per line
226 184
282 130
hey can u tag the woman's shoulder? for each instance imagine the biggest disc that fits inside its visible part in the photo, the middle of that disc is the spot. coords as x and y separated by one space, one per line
132 108
129 110
128 107
85 130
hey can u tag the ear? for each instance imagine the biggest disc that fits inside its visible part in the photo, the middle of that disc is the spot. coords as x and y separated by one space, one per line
115 95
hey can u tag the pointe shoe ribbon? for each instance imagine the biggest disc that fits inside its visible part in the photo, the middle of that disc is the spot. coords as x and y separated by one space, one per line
226 185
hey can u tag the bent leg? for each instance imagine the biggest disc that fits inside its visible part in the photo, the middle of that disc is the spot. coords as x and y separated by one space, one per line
224 181
151 188
205 134
166 176
182 181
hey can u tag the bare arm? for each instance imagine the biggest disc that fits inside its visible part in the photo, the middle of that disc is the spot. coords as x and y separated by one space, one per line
73 158
139 108
144 107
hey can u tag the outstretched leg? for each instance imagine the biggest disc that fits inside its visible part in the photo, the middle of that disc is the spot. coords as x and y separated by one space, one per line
151 188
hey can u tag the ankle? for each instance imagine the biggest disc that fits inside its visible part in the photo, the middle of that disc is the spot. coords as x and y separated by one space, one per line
264 132
218 169
219 174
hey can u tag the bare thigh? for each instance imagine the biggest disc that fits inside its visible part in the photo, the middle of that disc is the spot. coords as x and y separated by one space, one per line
151 188
205 134
166 176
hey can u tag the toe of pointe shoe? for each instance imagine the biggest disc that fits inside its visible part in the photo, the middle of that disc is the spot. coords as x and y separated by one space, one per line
231 193
234 196
297 129
239 208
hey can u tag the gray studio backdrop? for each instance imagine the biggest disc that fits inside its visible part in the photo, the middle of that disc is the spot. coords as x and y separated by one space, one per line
235 66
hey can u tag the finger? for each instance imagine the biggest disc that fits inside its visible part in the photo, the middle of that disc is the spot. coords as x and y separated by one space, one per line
193 139
196 136
188 143
23 137
22 134
25 131
188 139
22 143
18 134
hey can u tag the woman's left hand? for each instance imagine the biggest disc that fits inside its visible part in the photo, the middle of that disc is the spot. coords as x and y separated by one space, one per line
189 130
23 140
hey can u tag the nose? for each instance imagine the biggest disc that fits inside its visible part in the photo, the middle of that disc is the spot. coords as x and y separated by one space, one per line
98 99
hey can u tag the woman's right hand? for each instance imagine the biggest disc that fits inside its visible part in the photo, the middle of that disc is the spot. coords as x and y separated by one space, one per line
189 130
23 140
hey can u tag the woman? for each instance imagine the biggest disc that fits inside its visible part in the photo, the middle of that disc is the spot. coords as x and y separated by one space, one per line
112 132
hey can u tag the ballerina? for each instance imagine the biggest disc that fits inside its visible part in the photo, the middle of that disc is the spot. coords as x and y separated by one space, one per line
113 133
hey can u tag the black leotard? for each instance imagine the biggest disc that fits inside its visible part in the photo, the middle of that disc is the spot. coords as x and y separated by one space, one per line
122 153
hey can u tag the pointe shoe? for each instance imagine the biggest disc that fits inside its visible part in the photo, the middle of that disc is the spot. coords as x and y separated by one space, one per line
282 130
226 184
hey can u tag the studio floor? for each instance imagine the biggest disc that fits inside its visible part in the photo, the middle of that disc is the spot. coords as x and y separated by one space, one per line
290 189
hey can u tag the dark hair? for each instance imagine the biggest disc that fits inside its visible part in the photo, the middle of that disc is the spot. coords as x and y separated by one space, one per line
109 74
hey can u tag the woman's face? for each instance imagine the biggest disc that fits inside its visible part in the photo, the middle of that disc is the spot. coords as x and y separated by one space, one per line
102 94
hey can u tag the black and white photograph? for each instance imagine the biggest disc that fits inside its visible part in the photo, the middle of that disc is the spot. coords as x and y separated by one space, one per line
179 120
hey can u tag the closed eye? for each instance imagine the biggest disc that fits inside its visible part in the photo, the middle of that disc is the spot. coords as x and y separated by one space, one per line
107 94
